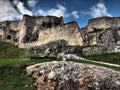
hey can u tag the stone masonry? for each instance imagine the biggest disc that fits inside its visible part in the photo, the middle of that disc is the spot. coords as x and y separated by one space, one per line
38 30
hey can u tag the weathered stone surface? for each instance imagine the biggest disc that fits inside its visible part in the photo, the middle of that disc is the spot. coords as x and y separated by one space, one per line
69 32
34 31
103 36
73 76
9 30
53 46
103 23
58 46
65 57
97 49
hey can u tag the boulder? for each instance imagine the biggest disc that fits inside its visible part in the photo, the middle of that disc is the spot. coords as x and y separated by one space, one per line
64 75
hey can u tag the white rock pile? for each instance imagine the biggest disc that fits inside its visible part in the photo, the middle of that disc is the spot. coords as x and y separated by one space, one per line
65 57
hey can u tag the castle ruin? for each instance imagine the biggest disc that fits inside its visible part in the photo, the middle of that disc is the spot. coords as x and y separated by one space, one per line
37 30
34 31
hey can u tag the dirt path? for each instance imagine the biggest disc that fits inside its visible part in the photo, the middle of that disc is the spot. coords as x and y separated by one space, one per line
104 63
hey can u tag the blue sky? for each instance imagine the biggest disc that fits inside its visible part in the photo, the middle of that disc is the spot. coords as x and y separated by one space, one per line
72 10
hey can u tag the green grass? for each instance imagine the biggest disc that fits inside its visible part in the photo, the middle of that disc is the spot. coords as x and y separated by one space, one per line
106 57
13 74
97 64
14 78
8 50
19 63
12 70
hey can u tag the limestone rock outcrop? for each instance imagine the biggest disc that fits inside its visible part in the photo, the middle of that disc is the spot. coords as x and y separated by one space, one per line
62 75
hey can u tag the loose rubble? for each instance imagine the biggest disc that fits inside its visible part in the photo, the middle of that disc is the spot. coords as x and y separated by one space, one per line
65 57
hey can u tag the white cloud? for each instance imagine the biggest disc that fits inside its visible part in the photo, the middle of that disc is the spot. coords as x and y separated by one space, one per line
75 14
7 11
15 2
32 3
99 10
22 9
59 11
15 9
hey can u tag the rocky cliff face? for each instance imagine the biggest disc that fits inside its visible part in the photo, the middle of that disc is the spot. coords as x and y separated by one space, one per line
73 76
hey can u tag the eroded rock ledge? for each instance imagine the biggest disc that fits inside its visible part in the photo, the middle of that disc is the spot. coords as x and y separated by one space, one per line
64 75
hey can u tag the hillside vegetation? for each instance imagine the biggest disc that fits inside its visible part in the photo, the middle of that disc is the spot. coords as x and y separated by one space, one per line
106 57
8 50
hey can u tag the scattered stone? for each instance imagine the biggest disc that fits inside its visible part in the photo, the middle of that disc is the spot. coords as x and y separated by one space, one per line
65 57
47 51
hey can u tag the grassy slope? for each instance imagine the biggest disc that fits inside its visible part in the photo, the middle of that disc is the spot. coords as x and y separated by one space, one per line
105 57
8 50
13 78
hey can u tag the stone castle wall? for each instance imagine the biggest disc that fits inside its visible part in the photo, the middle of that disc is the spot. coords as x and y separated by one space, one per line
14 25
103 22
9 30
37 30
1 33
26 27
69 32
48 21
103 30
30 26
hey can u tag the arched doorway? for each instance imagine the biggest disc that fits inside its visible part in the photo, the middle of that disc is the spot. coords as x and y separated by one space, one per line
8 37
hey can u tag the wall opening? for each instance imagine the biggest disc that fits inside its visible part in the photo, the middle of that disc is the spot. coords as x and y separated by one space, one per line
8 37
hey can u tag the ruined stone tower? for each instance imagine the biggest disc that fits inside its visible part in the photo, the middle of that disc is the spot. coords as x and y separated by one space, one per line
9 31
37 30
101 30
